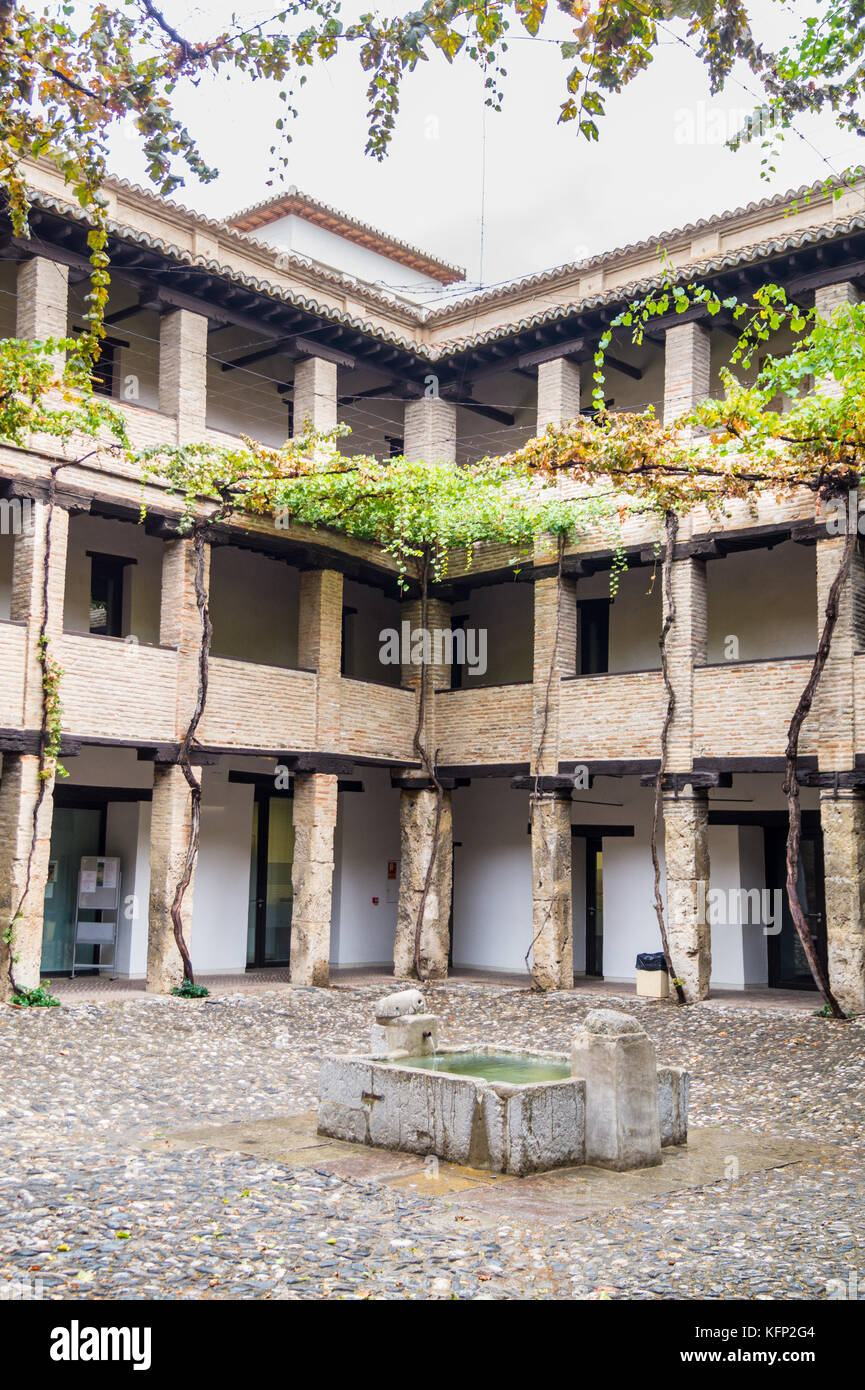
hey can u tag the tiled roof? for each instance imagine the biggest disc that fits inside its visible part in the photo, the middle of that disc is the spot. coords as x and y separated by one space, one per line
412 315
292 202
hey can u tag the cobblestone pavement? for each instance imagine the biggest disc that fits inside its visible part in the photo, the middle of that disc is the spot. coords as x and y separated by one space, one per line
97 1202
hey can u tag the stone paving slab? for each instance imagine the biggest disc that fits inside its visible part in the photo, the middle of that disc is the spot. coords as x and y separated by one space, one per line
712 1155
99 1199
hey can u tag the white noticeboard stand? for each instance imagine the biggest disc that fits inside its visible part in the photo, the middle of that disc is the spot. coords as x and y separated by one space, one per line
98 891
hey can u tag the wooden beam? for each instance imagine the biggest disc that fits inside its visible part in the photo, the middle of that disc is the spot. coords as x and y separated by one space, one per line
569 348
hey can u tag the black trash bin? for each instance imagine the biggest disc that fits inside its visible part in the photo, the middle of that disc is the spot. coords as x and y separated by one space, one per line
651 960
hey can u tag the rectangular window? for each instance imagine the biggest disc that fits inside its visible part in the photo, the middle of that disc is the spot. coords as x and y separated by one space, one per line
106 593
594 636
347 666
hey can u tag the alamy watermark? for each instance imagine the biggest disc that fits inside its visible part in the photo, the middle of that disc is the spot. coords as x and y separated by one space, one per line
740 907
439 646
19 515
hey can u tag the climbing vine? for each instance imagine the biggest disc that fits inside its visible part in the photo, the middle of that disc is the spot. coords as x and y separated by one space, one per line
46 401
736 448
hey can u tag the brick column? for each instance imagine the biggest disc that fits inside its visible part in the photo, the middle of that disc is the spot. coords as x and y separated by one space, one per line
315 394
430 430
686 647
315 809
417 821
552 911
180 621
183 372
834 704
842 819
28 576
169 839
558 392
43 290
180 627
555 643
831 297
555 612
319 647
19 789
686 369
686 851
417 814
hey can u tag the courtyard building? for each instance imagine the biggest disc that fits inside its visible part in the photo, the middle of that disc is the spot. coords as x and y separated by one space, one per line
317 818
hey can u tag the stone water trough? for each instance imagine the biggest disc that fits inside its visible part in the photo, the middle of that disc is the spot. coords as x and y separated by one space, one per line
607 1104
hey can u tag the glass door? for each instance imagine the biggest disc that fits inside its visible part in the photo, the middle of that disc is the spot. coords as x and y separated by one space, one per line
788 964
75 831
595 907
268 939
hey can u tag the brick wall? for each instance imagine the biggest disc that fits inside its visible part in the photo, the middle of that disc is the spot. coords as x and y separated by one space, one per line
259 706
13 644
743 710
376 721
617 716
116 689
491 725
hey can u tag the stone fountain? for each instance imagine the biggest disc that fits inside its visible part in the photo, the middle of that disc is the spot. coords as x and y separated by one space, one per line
607 1104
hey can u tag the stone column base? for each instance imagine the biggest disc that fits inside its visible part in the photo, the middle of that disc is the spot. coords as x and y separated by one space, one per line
843 822
686 851
315 808
552 912
169 840
417 813
19 789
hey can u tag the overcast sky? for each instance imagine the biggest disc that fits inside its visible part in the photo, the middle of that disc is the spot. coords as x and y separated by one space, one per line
540 194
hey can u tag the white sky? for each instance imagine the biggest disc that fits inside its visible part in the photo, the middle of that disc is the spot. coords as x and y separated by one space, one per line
547 196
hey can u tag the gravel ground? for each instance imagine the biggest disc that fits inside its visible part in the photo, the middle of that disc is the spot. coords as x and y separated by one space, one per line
95 1205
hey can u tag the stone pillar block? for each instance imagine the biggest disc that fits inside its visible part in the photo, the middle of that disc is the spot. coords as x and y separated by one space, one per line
552 914
843 822
417 826
616 1059
169 841
416 1034
558 393
315 811
19 791
686 852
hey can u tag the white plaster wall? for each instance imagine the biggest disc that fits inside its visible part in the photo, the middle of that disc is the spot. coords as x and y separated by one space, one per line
128 836
630 924
635 616
221 901
506 612
765 598
492 876
141 581
306 239
254 603
362 932
375 613
6 544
